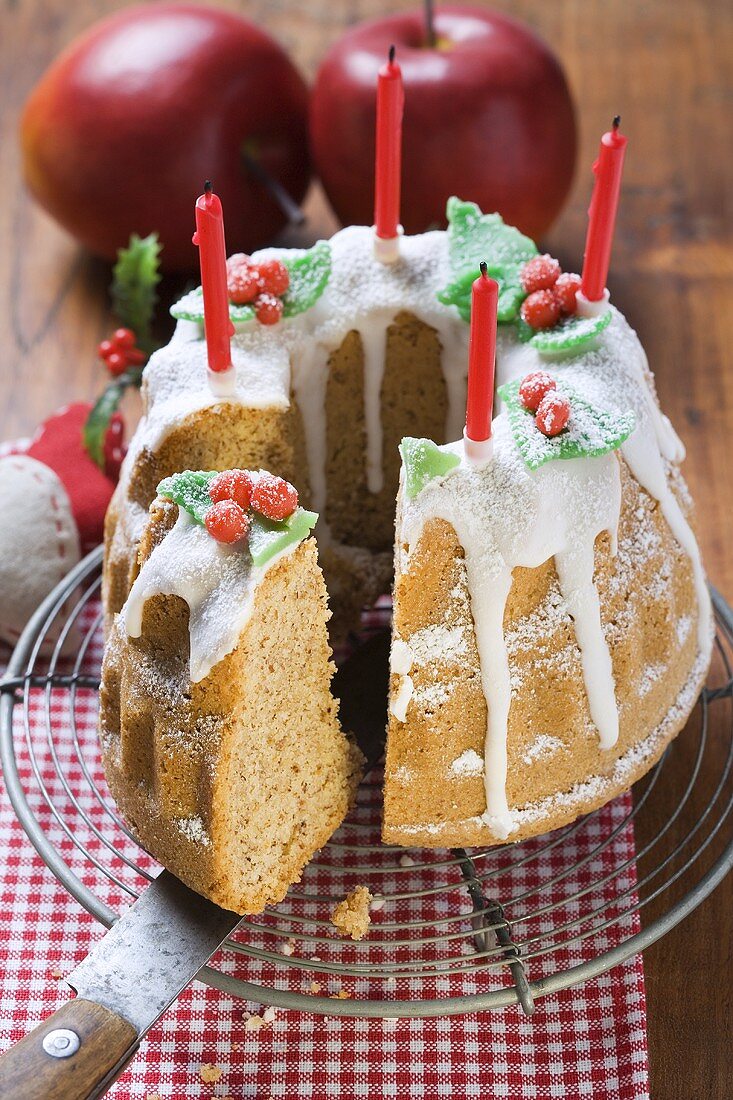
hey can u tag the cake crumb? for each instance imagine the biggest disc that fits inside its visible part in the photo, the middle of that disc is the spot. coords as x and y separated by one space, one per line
156 1096
57 973
210 1073
341 995
377 903
351 916
287 948
253 1021
407 861
315 988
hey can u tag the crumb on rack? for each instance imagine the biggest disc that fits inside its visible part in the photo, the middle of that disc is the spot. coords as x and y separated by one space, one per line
210 1073
315 988
341 995
351 916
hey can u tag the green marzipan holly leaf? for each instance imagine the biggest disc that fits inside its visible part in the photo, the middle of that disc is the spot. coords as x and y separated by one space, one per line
309 274
591 431
423 460
473 237
135 277
267 537
190 490
572 334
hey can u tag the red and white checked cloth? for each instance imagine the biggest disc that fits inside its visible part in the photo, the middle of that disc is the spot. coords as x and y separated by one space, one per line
589 1041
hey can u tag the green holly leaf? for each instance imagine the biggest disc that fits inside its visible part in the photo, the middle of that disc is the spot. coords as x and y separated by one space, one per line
97 423
473 237
267 537
590 431
423 461
570 335
135 277
190 490
309 272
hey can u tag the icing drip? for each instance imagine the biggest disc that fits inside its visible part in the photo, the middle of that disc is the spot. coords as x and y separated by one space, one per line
373 342
309 380
217 582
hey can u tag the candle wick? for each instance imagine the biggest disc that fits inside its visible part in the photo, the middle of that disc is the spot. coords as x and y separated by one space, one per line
207 187
616 122
483 269
391 55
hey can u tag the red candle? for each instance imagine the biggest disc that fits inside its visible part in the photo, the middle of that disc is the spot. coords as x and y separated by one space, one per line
209 237
388 170
481 357
602 212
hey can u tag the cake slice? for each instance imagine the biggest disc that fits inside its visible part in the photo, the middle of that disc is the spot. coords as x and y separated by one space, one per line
220 737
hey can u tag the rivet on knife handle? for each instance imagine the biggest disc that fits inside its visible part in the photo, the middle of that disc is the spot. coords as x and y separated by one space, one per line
73 1055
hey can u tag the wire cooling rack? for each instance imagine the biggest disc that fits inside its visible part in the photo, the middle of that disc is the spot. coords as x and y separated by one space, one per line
451 931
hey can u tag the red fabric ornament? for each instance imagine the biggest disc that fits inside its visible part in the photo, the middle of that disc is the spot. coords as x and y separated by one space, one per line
58 443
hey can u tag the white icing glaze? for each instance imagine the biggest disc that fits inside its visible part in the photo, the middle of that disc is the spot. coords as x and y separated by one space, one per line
217 582
506 516
401 698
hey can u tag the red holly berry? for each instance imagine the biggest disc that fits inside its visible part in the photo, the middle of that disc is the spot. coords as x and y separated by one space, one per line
274 277
274 497
226 521
541 309
135 357
540 273
243 280
233 485
553 414
534 387
116 363
565 290
123 338
268 309
114 447
106 348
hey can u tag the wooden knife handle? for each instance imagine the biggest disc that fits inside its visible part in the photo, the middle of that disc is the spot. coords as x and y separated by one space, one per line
102 1044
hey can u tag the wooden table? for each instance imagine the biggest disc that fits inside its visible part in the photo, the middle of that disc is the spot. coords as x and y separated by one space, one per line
663 67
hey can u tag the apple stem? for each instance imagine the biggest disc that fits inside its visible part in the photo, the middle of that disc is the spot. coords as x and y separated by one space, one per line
287 204
430 24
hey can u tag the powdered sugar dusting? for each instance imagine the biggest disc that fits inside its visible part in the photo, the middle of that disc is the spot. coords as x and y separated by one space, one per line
194 830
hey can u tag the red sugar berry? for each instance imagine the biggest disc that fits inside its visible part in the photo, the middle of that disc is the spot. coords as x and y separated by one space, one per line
116 362
534 387
135 357
540 273
233 485
123 338
541 309
268 309
243 281
106 348
565 290
226 521
274 277
553 414
274 497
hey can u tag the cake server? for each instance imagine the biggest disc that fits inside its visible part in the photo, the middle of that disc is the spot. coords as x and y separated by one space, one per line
157 947
123 987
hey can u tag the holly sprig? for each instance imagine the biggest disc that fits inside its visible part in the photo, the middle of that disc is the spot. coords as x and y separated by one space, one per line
590 431
135 278
474 237
309 273
190 491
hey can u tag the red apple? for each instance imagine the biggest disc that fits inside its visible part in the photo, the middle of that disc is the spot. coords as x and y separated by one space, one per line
488 117
125 126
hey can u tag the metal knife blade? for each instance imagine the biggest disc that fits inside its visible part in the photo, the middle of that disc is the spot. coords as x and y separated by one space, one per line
152 952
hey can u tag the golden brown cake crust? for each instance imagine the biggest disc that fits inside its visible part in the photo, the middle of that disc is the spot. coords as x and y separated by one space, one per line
556 768
191 766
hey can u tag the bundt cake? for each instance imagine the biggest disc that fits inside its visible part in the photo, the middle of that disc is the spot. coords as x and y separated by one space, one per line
219 733
552 625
